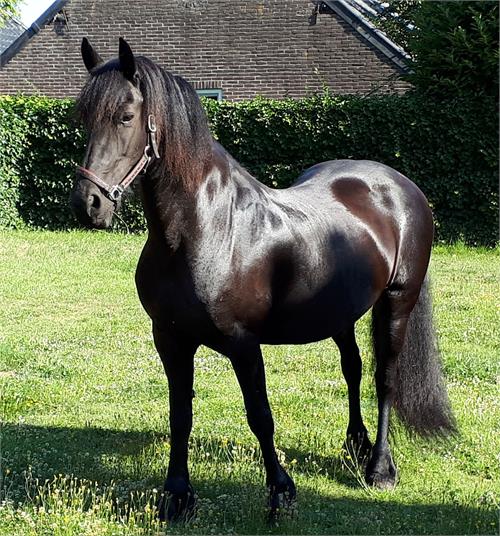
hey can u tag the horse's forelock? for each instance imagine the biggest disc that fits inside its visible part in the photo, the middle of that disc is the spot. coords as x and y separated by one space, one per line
100 99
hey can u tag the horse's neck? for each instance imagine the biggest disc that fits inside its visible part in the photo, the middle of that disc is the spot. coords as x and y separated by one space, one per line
168 210
179 214
170 206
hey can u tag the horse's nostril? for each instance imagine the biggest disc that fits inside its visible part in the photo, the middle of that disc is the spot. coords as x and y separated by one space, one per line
94 201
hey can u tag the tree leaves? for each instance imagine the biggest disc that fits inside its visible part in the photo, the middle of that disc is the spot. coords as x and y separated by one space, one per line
8 9
455 48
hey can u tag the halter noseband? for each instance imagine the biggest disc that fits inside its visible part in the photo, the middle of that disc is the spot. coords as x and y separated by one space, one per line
115 191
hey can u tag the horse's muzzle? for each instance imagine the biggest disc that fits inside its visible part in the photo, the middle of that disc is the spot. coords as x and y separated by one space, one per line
91 208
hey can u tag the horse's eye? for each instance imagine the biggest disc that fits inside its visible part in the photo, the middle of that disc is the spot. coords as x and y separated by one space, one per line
127 118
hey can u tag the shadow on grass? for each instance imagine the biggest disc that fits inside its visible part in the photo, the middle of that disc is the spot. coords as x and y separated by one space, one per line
88 452
83 452
228 502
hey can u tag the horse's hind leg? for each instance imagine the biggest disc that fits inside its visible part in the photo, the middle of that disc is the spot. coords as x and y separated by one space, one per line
357 442
249 368
389 322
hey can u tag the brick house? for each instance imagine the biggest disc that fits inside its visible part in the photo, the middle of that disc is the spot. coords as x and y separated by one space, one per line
232 49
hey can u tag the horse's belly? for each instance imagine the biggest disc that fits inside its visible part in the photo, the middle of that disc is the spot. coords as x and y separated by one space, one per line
286 332
319 318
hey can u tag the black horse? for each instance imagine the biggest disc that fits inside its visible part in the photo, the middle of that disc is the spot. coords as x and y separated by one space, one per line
231 264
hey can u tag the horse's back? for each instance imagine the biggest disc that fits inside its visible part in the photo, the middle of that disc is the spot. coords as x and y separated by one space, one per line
372 174
373 194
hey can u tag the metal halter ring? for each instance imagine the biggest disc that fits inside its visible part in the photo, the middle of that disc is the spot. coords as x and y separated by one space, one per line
115 192
151 123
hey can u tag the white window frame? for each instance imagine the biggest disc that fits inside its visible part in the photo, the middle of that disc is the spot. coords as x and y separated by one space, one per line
211 93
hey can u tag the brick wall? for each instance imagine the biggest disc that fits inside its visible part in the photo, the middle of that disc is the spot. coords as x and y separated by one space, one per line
244 47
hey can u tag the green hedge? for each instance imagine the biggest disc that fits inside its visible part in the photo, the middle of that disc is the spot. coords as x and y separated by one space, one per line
450 149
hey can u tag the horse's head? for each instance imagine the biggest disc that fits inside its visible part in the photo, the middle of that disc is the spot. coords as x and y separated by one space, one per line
119 143
134 112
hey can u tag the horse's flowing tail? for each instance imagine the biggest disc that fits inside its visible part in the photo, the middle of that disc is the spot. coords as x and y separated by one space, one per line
421 400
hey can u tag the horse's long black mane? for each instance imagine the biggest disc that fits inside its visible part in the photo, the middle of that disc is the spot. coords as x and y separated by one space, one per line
184 138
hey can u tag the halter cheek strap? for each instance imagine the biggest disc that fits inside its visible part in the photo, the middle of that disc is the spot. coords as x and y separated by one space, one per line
115 191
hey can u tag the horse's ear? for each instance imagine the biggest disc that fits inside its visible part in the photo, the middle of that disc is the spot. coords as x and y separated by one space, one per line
90 57
127 61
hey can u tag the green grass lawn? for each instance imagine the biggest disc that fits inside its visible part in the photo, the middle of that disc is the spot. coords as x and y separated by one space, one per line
84 433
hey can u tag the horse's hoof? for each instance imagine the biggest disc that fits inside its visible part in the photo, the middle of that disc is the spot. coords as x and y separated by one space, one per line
382 482
177 507
381 473
282 499
358 446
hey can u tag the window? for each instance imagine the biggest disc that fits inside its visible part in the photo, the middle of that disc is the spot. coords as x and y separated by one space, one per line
215 94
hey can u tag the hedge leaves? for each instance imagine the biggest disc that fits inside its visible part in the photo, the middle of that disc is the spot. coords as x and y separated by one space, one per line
449 148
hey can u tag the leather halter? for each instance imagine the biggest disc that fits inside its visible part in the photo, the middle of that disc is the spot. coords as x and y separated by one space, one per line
115 191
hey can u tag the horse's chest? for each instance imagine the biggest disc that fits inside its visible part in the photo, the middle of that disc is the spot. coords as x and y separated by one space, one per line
167 292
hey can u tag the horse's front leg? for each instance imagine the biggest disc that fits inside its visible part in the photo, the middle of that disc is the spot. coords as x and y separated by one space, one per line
177 356
249 367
